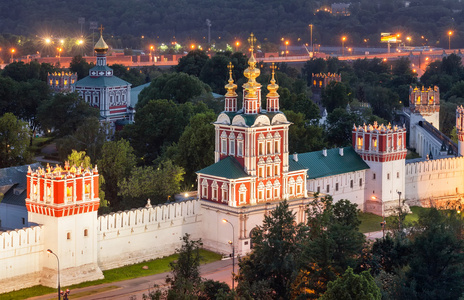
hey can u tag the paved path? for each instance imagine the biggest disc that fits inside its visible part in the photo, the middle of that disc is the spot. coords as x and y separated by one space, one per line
134 289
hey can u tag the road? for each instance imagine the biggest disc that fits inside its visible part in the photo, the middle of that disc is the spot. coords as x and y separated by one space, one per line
134 289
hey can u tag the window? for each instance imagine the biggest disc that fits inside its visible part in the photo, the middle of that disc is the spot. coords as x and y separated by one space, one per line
336 186
86 232
328 188
418 100
68 235
240 148
373 176
360 143
268 194
374 143
214 186
314 82
232 147
261 148
298 189
261 172
24 221
399 142
276 170
276 147
225 192
388 176
269 148
397 174
431 100
360 182
268 171
224 146
291 190
242 193
351 184
204 189
318 189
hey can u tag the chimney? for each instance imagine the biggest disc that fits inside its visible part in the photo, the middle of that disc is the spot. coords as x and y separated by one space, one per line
324 152
340 151
295 156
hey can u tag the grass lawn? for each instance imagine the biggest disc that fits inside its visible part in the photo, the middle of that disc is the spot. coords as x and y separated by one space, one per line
156 266
371 222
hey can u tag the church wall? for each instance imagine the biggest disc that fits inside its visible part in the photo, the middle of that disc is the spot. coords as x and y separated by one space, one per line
138 235
21 255
353 193
437 178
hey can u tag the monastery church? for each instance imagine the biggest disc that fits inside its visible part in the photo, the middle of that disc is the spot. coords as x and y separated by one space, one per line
252 173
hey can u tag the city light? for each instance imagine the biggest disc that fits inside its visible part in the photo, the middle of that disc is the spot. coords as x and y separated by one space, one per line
450 33
343 45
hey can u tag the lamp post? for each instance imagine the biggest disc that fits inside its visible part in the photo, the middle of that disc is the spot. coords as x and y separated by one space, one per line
12 53
58 260
343 45
311 27
237 44
399 209
286 47
233 250
450 33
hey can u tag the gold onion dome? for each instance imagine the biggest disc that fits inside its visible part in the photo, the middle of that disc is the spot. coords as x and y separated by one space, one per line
273 87
231 86
101 46
251 72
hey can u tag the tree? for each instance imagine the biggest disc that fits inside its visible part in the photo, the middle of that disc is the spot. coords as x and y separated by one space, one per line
383 101
79 159
117 162
303 137
158 184
335 95
14 138
80 66
437 260
353 286
65 113
177 87
192 63
195 149
214 73
271 266
339 127
333 244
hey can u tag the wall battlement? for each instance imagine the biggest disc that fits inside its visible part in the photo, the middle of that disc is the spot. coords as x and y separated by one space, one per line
435 165
20 238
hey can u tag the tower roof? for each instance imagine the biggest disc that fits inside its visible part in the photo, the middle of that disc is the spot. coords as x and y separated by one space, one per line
101 46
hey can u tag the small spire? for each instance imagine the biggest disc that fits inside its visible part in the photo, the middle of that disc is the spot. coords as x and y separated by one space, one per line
273 87
101 46
231 86
251 72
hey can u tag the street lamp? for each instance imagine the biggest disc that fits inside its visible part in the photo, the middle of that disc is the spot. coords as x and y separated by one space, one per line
343 45
237 44
58 260
233 250
449 39
152 48
286 47
311 27
408 38
13 50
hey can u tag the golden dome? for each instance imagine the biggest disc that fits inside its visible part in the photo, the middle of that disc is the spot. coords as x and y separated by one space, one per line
231 86
101 46
251 72
273 87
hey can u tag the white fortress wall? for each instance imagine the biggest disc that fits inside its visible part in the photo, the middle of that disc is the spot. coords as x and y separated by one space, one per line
348 186
21 255
146 233
425 142
435 178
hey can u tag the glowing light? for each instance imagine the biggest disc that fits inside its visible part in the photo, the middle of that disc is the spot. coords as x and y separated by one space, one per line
450 32
286 43
13 50
48 41
186 195
192 46
344 38
61 41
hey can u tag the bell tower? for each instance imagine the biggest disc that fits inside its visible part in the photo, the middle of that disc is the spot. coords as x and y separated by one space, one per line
65 202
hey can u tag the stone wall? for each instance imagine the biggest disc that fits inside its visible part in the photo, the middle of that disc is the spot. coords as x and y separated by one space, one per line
147 233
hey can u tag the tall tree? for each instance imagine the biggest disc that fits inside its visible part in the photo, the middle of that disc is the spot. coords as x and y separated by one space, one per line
271 266
192 63
14 138
117 162
80 66
339 127
336 95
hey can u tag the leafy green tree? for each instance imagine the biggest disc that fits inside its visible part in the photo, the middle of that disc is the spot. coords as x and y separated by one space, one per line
303 136
116 163
158 184
271 266
79 159
14 138
383 101
133 75
80 66
437 260
65 113
313 66
195 149
192 63
215 74
339 127
353 286
335 95
178 87
333 244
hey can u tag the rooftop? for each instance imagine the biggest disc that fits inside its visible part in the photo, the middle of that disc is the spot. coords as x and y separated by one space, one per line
228 168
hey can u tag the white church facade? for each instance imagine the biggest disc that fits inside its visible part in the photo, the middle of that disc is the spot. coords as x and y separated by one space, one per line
252 173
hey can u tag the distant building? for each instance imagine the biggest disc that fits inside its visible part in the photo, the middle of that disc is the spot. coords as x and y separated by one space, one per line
340 9
105 91
61 81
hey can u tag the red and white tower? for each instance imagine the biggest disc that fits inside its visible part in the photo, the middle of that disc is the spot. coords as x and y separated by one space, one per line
460 129
252 165
383 149
65 201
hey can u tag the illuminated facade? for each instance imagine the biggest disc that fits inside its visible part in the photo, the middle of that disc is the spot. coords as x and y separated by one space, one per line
61 81
105 91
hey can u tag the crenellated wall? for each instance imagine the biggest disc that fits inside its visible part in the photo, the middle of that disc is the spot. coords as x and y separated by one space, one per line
21 255
145 233
434 179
